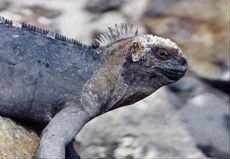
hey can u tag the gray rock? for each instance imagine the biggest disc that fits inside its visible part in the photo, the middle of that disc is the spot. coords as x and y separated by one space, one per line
100 6
44 11
207 118
4 4
16 141
148 129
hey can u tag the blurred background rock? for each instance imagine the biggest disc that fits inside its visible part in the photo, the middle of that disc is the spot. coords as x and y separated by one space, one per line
189 119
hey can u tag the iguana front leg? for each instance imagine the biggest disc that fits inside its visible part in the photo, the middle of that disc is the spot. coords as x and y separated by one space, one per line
67 123
60 131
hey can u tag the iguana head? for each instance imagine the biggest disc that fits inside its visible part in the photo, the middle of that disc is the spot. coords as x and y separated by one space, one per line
147 62
158 61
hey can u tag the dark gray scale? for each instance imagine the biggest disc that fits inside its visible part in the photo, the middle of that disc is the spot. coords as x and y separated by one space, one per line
40 70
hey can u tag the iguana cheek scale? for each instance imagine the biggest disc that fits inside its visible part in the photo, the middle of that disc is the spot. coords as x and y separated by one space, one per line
48 78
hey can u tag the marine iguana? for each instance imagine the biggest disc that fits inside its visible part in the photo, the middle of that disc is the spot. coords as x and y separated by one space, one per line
48 78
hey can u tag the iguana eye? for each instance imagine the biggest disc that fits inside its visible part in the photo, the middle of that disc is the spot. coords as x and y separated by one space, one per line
162 54
135 45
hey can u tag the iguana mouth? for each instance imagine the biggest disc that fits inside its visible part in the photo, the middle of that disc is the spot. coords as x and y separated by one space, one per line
172 74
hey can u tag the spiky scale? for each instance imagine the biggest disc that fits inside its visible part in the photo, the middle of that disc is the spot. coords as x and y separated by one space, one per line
41 31
114 34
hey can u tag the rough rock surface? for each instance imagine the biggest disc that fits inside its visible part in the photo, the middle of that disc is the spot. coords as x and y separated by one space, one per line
149 129
205 112
210 113
4 5
16 141
100 6
82 23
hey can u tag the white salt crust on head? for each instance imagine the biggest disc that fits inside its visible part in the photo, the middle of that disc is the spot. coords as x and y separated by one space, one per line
150 40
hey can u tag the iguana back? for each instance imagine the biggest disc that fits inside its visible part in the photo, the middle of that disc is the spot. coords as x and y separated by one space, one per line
39 70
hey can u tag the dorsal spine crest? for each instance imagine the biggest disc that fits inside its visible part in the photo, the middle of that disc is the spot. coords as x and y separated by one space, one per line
115 34
43 32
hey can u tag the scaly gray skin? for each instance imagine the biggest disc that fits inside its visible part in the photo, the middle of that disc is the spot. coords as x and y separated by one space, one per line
47 78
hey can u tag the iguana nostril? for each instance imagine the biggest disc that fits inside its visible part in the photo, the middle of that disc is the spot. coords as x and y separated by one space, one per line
183 68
